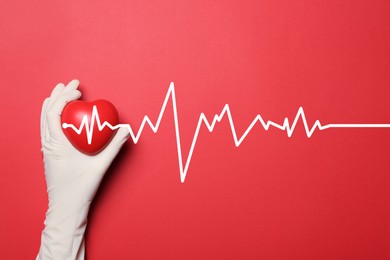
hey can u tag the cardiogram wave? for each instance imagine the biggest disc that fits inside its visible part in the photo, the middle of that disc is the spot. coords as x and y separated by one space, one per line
184 164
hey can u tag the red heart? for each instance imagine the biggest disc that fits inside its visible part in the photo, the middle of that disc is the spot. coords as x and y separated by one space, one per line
76 111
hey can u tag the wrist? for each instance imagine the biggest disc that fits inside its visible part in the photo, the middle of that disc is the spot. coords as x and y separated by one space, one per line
63 235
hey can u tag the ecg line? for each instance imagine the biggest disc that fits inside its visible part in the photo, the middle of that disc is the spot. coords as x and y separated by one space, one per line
286 126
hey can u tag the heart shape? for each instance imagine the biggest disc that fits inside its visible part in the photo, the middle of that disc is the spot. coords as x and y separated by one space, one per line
87 117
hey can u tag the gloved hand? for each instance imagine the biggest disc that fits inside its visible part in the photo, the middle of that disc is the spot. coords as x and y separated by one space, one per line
72 179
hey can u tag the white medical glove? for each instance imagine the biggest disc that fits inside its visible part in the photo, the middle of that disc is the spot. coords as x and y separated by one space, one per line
72 179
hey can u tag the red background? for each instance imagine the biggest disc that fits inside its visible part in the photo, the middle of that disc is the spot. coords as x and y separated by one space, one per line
274 197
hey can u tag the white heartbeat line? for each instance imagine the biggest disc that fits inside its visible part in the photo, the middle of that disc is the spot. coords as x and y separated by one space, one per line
286 126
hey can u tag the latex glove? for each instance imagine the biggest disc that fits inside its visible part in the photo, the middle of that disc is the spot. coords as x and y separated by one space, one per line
72 179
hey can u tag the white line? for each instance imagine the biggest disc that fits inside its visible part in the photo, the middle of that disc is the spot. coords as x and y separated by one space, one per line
286 126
